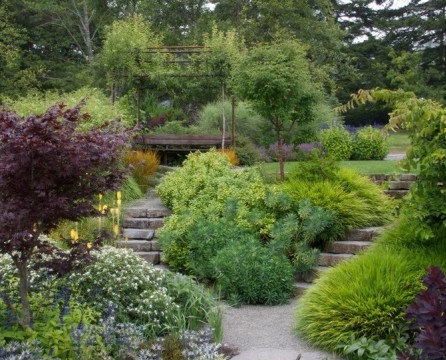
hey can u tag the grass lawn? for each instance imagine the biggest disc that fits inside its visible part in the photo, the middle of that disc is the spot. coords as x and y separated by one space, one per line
363 167
398 141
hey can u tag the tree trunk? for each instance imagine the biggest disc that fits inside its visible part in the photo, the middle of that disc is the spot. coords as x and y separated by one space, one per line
280 155
223 116
22 267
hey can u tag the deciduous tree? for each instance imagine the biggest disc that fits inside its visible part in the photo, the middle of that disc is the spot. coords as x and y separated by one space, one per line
50 172
276 80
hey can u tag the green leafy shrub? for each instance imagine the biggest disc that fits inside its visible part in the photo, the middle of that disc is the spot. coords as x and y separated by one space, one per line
369 144
205 239
249 273
337 142
246 151
208 180
97 106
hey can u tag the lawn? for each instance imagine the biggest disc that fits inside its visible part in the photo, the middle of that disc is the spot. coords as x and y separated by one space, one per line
363 167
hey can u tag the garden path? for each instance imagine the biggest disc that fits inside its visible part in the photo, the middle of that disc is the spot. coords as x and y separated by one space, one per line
266 333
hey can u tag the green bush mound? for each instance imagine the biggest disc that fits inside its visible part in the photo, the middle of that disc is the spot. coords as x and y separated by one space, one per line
337 142
368 295
218 209
249 273
370 144
355 200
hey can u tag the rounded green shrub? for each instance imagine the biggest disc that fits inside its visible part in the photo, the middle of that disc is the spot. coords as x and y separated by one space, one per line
337 142
248 273
356 201
365 296
369 144
368 295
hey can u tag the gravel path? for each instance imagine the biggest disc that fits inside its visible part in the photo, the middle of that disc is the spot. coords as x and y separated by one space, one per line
259 331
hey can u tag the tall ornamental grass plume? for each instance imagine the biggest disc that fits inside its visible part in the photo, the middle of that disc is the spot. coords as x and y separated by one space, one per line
51 172
144 165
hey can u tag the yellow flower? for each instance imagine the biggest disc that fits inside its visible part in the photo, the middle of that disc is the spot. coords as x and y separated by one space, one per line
118 195
74 235
100 196
89 245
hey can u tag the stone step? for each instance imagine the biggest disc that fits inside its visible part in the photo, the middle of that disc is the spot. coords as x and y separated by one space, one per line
140 245
400 185
152 257
365 234
300 287
346 247
327 259
147 208
138 234
143 223
397 194
311 275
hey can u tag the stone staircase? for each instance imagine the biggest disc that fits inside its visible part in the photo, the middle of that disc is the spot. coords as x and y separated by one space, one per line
335 252
142 219
396 186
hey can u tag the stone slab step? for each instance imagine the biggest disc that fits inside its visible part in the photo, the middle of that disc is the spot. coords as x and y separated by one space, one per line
346 247
140 245
147 208
142 223
152 257
397 194
300 287
365 234
138 234
400 185
312 275
327 259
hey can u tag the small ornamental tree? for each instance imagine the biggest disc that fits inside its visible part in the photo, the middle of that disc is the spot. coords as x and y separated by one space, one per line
276 80
50 172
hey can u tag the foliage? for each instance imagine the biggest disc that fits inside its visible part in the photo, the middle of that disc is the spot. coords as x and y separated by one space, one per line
143 165
232 156
427 316
196 304
364 348
136 289
207 179
424 120
249 273
122 54
247 121
337 142
365 296
369 144
354 199
34 197
246 152
275 78
97 105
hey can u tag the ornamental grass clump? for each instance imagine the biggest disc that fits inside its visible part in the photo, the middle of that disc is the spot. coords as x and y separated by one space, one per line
144 165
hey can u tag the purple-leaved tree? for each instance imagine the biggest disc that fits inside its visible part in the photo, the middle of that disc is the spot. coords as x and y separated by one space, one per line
50 172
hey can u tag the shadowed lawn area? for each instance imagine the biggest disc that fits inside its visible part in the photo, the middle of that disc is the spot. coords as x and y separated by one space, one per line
399 141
